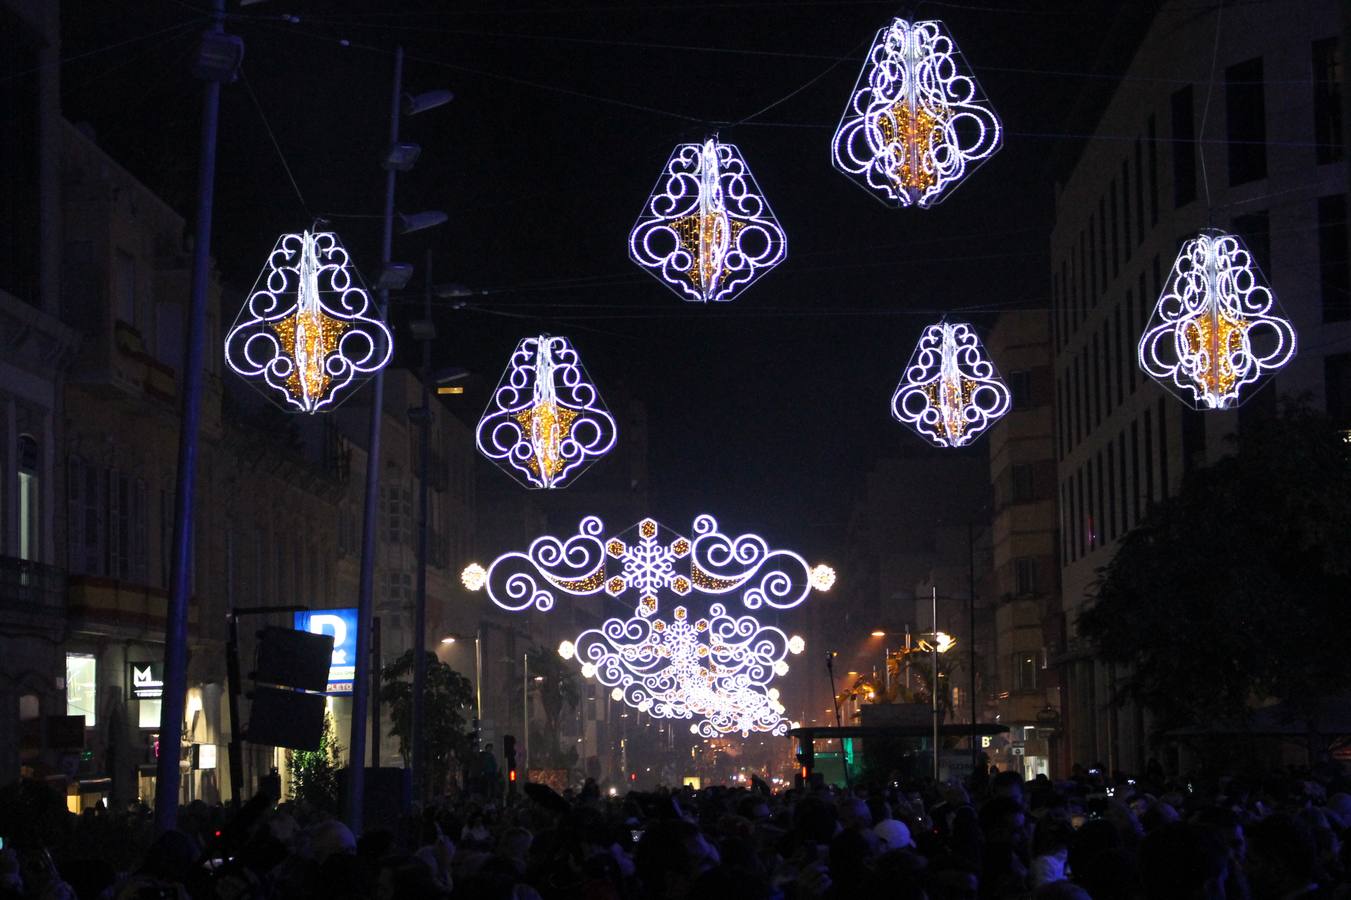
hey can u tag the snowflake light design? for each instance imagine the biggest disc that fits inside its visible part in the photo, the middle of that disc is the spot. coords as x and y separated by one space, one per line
545 423
917 123
308 329
707 231
715 669
1217 330
951 391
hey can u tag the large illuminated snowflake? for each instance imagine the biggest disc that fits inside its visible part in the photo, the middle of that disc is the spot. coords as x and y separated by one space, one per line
714 668
308 329
1217 329
917 123
545 423
707 231
951 391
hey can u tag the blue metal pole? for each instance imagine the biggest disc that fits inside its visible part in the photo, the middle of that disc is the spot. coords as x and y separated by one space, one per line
167 774
361 683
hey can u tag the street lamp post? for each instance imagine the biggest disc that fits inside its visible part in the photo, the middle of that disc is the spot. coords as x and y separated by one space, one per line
398 158
218 61
933 690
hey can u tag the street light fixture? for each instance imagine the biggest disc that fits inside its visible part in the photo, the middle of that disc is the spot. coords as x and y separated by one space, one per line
418 221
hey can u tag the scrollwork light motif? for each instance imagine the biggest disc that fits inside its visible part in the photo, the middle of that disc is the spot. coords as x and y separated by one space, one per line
308 329
707 231
545 423
1217 330
917 123
715 669
951 391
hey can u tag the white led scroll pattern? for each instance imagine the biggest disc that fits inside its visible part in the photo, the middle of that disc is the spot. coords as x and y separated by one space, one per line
951 391
715 668
917 123
545 423
1217 330
308 330
707 231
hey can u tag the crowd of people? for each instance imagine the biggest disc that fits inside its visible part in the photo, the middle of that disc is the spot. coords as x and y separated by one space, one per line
1280 836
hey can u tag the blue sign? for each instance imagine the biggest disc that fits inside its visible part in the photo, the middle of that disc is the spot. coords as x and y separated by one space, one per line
342 625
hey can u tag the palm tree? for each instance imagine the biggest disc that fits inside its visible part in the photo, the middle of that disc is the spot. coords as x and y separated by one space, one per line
556 684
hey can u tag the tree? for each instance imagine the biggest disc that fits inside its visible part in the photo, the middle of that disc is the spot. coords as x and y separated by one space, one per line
556 686
448 698
1227 594
314 773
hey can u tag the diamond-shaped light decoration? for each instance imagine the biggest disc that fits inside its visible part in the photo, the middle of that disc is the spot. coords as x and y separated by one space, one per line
951 391
545 423
1217 332
706 230
917 123
308 334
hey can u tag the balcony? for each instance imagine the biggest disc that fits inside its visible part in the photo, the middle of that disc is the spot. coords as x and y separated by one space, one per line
31 589
124 606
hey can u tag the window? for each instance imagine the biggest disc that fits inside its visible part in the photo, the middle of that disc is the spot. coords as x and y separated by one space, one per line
125 285
1097 379
1091 299
1025 671
1184 151
1337 378
1139 193
1334 270
1134 327
1135 469
1125 485
1153 174
1327 101
30 540
1122 353
1163 448
1024 483
1079 514
1090 508
1099 511
1255 229
1246 115
1126 243
1020 386
1108 364
81 687
1102 247
148 713
1113 215
1109 512
1025 576
1149 463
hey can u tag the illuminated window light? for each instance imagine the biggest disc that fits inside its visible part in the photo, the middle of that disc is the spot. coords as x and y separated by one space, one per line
713 668
950 392
917 123
308 334
1217 332
449 389
707 231
545 423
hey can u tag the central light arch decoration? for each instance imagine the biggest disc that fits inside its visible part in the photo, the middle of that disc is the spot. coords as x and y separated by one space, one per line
917 123
546 422
707 232
667 659
1217 330
951 391
308 335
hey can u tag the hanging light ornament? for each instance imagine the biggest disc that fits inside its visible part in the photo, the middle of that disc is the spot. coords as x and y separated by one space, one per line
951 391
545 423
707 231
308 329
1217 329
917 123
715 668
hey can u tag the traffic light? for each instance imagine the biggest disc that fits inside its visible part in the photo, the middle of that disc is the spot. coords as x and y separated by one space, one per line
509 751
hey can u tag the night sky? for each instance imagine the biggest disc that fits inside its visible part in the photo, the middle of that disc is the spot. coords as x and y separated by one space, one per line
767 411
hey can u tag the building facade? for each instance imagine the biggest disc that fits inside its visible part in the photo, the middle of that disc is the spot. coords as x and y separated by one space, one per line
1026 566
1260 150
